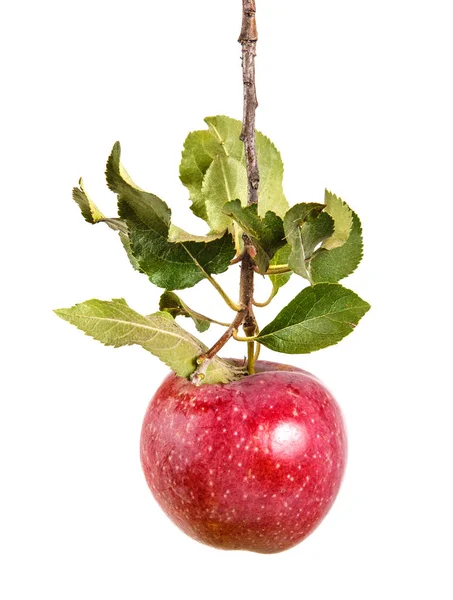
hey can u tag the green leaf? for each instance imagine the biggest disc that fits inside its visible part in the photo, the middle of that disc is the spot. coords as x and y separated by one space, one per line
281 258
266 233
333 265
227 178
170 265
315 232
318 317
327 224
124 237
151 210
270 191
342 217
270 194
178 265
296 217
227 133
174 306
177 235
115 324
90 211
93 215
171 303
200 149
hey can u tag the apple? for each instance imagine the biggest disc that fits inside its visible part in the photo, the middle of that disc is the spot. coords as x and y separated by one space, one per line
250 465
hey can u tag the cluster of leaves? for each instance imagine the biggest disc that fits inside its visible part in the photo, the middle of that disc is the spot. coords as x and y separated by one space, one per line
321 243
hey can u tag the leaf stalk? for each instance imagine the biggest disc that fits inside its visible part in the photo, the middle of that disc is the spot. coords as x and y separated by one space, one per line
278 269
266 302
222 292
242 338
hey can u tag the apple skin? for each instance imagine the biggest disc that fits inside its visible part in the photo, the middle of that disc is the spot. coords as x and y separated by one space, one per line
250 465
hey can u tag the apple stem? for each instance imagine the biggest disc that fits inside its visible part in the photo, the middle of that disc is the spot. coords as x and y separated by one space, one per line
251 358
248 39
257 352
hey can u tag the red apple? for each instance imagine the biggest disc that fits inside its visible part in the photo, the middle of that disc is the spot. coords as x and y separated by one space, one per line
253 465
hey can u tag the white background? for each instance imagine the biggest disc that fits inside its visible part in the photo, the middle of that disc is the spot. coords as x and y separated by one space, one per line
358 98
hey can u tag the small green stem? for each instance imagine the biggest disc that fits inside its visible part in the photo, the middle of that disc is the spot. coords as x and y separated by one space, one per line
244 338
277 269
267 302
204 318
224 295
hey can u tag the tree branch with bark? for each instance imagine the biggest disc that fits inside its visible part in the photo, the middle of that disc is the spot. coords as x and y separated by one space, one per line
248 39
245 316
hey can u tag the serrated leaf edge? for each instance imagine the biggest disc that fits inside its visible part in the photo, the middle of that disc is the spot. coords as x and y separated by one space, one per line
277 333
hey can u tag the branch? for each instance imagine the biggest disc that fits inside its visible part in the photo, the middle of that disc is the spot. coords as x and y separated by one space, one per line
248 39
244 315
